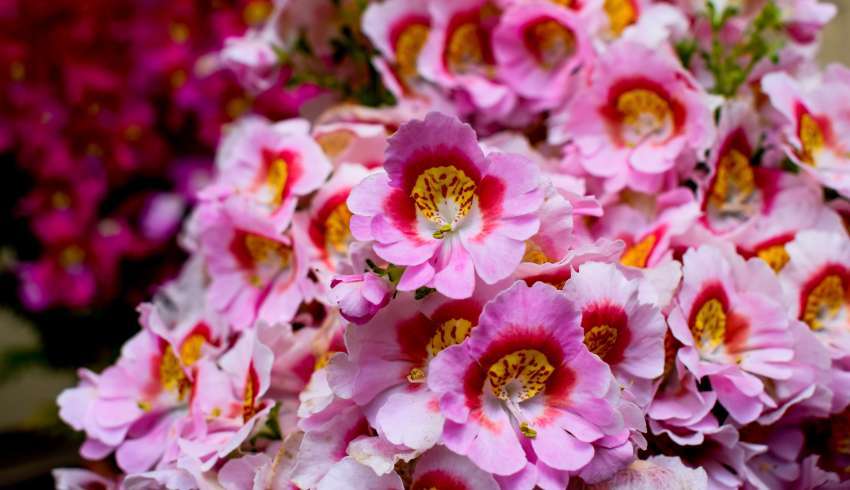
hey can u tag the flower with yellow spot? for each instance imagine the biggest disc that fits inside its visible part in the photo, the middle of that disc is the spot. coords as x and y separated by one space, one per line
519 382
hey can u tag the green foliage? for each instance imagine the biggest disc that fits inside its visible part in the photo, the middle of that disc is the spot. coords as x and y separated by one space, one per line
732 65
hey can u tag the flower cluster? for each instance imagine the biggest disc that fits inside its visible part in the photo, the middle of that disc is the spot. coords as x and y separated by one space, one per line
593 244
112 113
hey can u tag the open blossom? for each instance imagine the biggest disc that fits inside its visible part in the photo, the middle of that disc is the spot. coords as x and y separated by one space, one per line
638 112
256 273
624 332
815 126
523 395
733 329
815 280
458 54
538 48
264 168
445 210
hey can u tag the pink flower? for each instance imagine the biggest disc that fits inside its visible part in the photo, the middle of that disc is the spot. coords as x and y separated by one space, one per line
256 273
329 216
733 329
445 210
649 237
459 54
399 30
441 468
814 126
227 403
386 369
538 48
360 296
638 112
523 393
623 331
263 169
137 406
816 281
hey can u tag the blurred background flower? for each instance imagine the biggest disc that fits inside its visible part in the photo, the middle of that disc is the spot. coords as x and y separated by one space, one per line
111 115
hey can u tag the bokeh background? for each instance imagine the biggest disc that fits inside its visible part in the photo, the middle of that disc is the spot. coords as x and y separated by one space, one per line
38 352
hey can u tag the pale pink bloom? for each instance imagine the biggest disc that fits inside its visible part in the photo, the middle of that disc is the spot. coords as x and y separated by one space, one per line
538 48
458 54
816 281
794 210
656 473
623 331
650 228
255 273
816 126
733 328
138 406
264 168
637 113
734 190
522 396
329 217
399 29
444 210
441 468
386 369
228 402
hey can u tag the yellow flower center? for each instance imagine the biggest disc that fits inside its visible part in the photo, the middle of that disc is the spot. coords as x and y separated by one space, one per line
276 177
256 12
562 3
811 137
17 71
534 254
775 256
621 14
600 339
248 408
709 326
643 114
407 48
552 42
337 229
267 251
335 142
416 375
824 302
443 195
735 181
179 32
520 375
449 333
464 48
171 375
72 256
190 350
637 255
